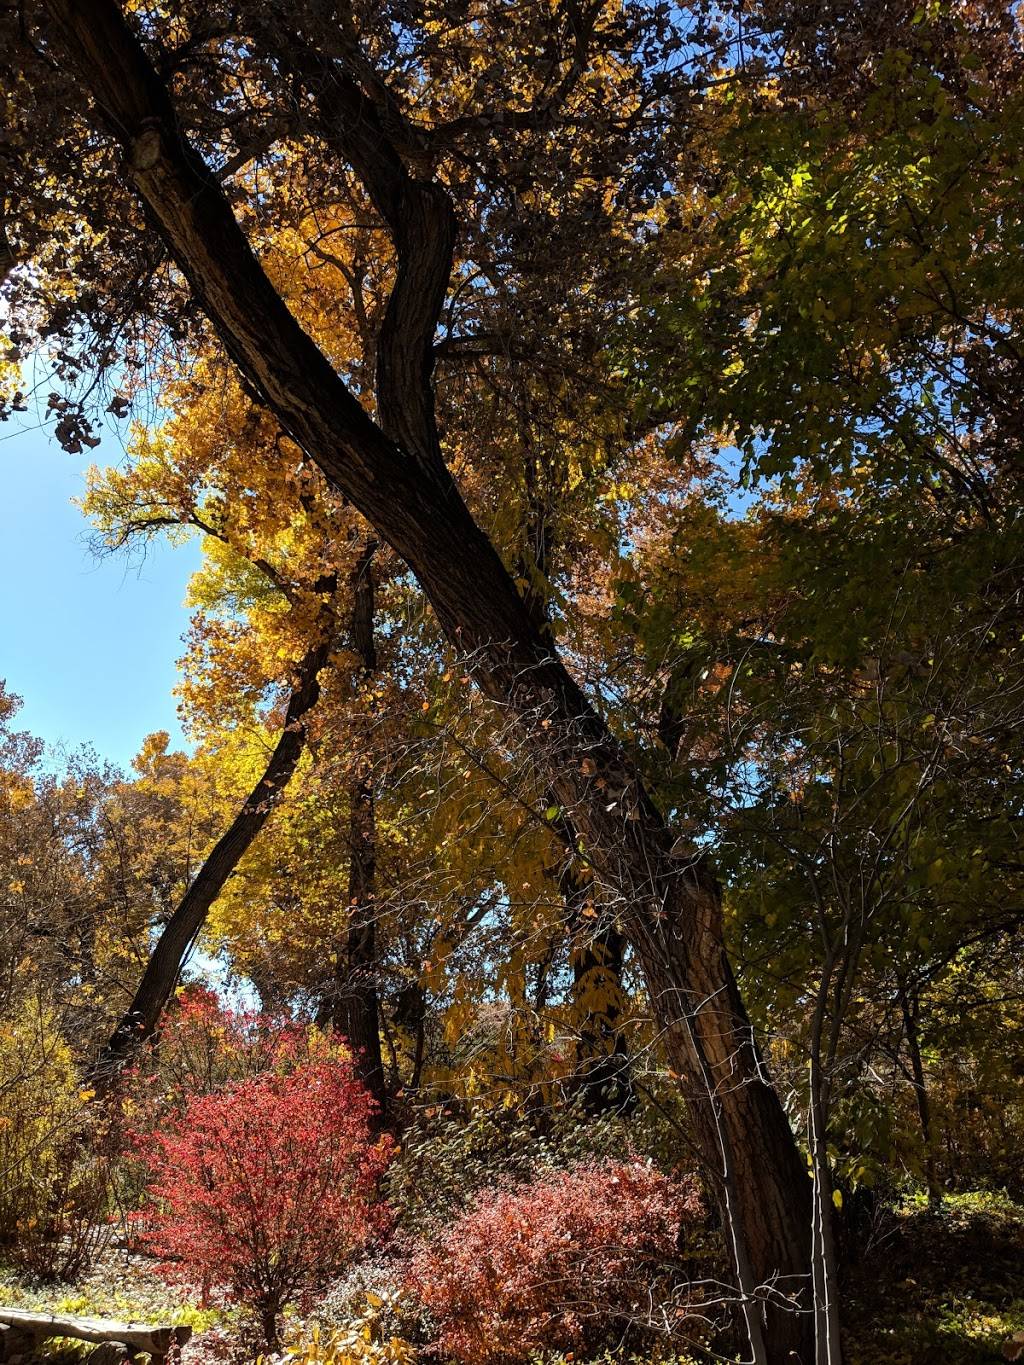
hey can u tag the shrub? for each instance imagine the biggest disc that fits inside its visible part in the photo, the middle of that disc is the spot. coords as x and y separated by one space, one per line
450 1152
205 1044
558 1263
53 1170
264 1191
371 1283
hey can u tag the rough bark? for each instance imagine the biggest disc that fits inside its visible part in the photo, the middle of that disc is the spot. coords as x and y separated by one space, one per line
178 934
741 1127
669 907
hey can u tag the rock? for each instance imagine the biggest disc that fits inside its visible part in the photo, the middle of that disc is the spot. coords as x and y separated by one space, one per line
14 1344
110 1353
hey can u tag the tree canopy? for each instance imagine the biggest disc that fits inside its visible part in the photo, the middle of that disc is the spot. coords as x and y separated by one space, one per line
600 419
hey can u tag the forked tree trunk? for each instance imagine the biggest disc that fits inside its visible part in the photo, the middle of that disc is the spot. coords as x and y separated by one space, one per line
669 908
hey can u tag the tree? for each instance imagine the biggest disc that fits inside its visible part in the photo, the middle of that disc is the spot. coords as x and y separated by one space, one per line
178 934
394 473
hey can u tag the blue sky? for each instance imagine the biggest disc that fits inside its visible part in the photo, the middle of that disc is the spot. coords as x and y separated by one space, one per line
90 645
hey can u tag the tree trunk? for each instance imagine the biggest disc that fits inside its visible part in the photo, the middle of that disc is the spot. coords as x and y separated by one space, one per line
746 1143
410 1013
357 1005
597 949
668 907
602 1052
911 1013
268 1322
160 977
824 1271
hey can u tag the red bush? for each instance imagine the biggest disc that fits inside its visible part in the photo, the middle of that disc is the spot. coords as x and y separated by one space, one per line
265 1190
555 1264
205 1044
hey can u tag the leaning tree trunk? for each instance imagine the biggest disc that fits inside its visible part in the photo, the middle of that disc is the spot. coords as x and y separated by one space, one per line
742 1130
178 934
668 906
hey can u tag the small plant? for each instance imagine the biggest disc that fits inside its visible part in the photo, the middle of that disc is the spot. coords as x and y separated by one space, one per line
264 1192
362 1341
558 1264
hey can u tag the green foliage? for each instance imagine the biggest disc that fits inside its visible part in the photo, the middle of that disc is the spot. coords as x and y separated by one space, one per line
861 276
940 1288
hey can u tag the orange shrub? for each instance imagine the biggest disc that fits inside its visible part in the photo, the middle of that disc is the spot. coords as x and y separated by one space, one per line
556 1264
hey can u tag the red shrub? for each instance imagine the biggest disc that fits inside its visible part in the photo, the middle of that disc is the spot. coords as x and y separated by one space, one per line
555 1264
205 1043
264 1190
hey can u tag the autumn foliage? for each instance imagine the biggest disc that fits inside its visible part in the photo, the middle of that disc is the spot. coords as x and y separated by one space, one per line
601 423
265 1190
555 1264
206 1044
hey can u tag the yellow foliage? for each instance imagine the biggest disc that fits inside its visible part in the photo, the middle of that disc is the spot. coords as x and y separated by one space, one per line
41 1107
359 1342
